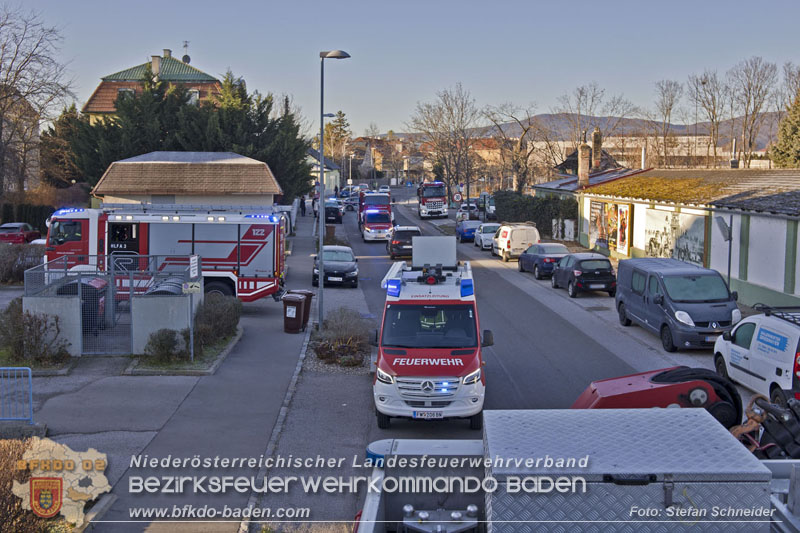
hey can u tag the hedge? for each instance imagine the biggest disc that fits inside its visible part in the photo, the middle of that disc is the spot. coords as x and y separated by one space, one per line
35 215
515 207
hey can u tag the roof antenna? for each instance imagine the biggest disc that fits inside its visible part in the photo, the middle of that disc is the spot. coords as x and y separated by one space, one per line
186 59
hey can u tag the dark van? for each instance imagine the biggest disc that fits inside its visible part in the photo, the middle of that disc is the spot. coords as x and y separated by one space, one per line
688 306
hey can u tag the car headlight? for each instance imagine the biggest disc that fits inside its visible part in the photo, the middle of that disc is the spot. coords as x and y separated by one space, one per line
736 316
683 316
472 377
353 273
316 270
383 377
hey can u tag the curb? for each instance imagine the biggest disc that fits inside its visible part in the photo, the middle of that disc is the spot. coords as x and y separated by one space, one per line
96 512
63 371
244 525
210 371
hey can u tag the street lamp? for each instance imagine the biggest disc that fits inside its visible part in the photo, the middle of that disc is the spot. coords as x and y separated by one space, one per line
331 54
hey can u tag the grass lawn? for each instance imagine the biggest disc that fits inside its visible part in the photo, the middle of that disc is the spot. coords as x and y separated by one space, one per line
201 361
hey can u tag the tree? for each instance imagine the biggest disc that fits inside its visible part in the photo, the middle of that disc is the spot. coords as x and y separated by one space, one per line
33 85
709 93
372 131
337 137
785 153
514 129
668 95
752 82
582 106
58 166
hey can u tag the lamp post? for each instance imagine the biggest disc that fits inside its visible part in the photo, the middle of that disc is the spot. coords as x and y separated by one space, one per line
332 54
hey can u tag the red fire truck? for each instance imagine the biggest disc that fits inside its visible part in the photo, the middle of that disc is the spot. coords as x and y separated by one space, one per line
373 200
432 199
242 253
429 350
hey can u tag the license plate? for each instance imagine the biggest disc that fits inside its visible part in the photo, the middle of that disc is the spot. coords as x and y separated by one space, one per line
597 286
711 339
333 278
407 246
428 415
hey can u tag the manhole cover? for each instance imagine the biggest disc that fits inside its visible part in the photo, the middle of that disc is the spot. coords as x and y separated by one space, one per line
597 308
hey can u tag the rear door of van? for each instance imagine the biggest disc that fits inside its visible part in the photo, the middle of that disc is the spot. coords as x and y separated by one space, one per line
772 353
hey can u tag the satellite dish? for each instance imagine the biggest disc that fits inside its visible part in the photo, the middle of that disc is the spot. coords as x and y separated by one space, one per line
186 59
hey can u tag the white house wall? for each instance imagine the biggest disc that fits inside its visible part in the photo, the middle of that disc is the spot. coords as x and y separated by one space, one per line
639 223
767 254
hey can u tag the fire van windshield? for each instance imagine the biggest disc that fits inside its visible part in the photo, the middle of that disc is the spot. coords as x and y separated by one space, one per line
430 326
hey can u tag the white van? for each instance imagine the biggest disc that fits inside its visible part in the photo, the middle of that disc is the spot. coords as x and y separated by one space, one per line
762 353
511 240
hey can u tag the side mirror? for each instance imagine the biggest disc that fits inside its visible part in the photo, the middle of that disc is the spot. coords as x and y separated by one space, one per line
658 299
735 296
60 240
373 339
356 259
488 338
726 335
313 256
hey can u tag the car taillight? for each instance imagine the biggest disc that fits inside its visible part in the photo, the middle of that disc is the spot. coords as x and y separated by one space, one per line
548 260
508 245
577 273
395 242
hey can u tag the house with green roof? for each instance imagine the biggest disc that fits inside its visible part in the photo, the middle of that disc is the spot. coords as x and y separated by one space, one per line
165 68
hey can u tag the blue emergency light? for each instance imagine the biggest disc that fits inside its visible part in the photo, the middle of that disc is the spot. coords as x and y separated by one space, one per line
271 218
373 211
68 210
467 288
393 287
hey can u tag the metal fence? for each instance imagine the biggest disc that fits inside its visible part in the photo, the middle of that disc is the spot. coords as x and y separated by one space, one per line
16 394
106 287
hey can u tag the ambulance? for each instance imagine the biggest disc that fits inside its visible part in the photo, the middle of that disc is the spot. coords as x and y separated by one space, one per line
429 363
242 252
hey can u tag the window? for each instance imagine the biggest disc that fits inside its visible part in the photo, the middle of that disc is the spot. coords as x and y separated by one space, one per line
744 335
423 326
653 287
565 262
638 282
194 97
337 255
697 288
596 264
62 231
533 249
553 249
125 93
377 218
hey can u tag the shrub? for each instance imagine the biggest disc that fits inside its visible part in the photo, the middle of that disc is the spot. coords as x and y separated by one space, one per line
163 345
16 258
516 207
343 339
31 338
216 318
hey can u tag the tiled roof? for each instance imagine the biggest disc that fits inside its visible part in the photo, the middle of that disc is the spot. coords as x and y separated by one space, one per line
569 182
188 173
171 70
776 191
105 95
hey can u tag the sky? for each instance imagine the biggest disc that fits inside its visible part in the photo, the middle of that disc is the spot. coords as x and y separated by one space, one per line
403 52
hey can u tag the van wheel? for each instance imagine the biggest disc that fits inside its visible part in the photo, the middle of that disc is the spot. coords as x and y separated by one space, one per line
777 396
476 421
505 257
218 287
571 290
666 339
623 316
383 420
720 367
536 273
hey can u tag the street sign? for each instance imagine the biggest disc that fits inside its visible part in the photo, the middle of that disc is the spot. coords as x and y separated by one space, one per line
191 287
194 266
457 197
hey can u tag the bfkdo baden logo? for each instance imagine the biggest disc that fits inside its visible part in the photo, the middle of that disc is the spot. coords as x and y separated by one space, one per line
46 495
62 480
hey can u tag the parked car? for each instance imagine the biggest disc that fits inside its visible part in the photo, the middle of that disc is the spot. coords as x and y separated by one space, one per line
584 272
761 353
541 258
467 212
351 202
385 188
18 233
399 244
510 240
687 305
332 212
341 266
465 230
484 235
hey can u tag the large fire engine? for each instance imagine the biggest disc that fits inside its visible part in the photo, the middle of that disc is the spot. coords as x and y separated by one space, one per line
242 252
373 200
429 350
432 199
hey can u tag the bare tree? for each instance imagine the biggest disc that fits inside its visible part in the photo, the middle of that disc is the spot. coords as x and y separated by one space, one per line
784 96
372 131
752 82
709 93
448 124
668 96
33 85
514 129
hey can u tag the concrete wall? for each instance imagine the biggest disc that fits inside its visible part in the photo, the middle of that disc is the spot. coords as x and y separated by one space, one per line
68 311
767 253
152 313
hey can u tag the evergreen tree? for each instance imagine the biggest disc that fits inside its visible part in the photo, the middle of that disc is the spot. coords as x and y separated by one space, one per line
58 166
786 152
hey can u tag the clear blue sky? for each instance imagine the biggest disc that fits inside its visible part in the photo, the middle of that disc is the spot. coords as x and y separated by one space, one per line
404 51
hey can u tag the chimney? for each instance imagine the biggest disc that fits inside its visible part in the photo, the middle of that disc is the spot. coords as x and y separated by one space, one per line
644 157
597 147
167 52
155 66
583 165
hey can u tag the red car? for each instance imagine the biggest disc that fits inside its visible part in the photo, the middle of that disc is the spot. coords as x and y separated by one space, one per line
18 233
